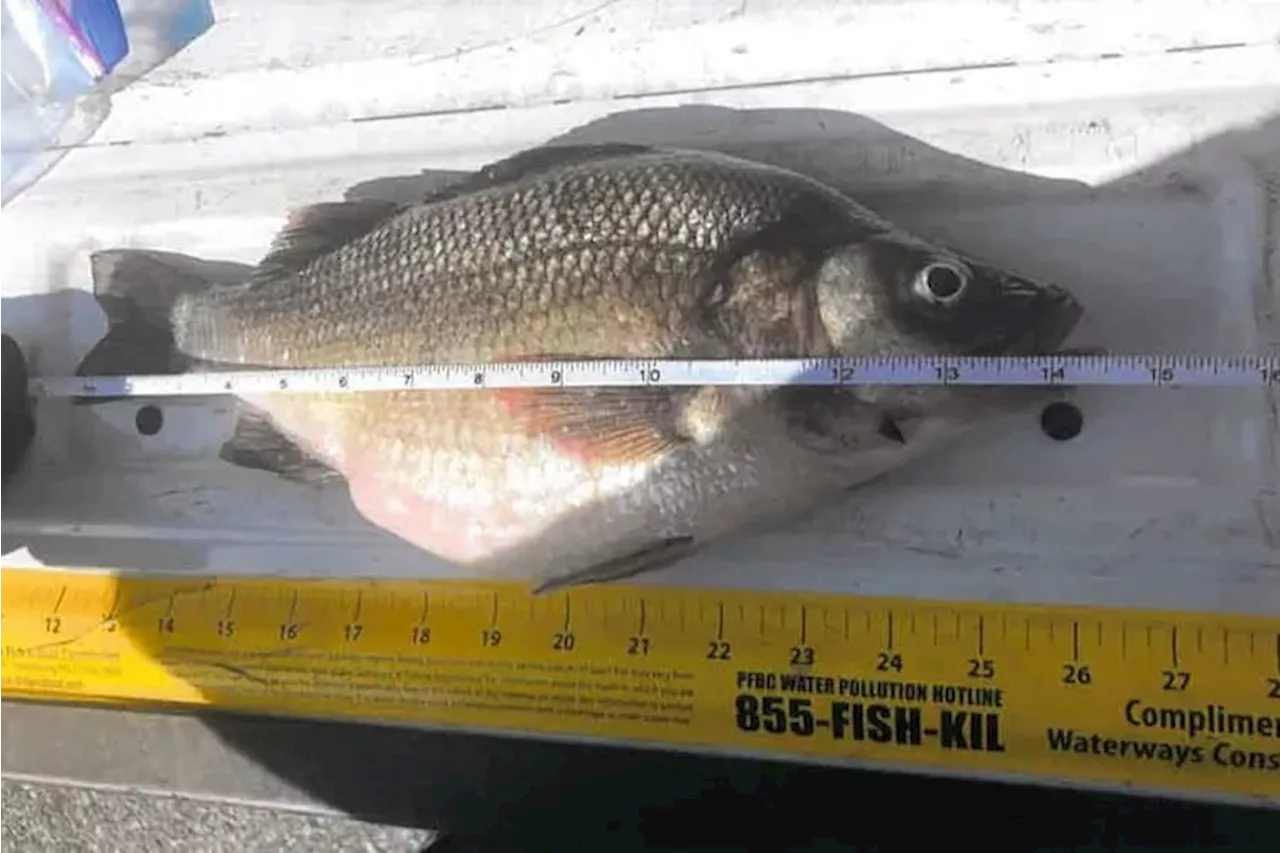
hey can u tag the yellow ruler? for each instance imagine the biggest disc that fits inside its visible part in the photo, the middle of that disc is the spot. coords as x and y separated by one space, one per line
1154 699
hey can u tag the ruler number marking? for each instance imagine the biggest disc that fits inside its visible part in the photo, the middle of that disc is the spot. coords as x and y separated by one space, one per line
842 374
802 655
289 629
982 668
226 626
1175 679
1273 688
420 635
491 637
719 648
889 661
53 622
1076 674
638 643
563 640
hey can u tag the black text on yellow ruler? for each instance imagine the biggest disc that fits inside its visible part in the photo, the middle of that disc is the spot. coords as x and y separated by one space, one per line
1148 698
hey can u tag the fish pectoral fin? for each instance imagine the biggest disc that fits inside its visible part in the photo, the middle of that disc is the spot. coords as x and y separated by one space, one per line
534 161
600 425
656 556
316 230
258 445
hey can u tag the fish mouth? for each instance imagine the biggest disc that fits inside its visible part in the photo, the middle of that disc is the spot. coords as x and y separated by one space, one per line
1035 318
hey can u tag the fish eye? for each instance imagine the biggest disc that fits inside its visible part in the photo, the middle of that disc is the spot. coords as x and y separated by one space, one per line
941 282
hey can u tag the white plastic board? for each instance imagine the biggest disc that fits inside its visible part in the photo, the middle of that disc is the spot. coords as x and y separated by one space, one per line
1129 150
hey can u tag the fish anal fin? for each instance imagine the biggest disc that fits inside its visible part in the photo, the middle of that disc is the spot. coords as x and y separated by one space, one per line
318 229
258 445
659 555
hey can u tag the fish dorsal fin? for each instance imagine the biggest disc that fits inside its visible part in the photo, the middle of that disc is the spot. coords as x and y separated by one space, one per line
318 229
534 161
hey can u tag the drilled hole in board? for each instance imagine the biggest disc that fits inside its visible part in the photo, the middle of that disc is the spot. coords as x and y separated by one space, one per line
149 420
1061 421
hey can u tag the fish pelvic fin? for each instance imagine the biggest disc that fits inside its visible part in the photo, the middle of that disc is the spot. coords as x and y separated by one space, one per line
659 555
137 291
258 445
318 229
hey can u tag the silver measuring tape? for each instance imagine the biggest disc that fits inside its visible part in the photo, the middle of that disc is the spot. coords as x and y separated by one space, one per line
1077 370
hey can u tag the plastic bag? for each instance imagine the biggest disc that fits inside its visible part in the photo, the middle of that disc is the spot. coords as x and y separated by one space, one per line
57 53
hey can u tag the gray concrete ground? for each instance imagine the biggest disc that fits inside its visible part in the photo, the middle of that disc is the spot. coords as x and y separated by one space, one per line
39 816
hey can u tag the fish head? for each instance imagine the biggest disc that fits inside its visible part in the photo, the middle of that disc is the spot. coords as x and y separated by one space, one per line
895 295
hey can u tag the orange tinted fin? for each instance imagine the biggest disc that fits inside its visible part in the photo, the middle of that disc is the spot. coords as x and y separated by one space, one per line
659 555
599 425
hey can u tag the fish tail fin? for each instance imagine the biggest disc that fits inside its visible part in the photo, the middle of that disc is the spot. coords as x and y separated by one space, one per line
138 290
144 296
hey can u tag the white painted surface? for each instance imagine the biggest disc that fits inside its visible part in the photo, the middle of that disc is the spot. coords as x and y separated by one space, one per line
1149 182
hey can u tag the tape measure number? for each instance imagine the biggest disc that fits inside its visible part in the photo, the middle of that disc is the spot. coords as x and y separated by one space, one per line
1124 370
1159 700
